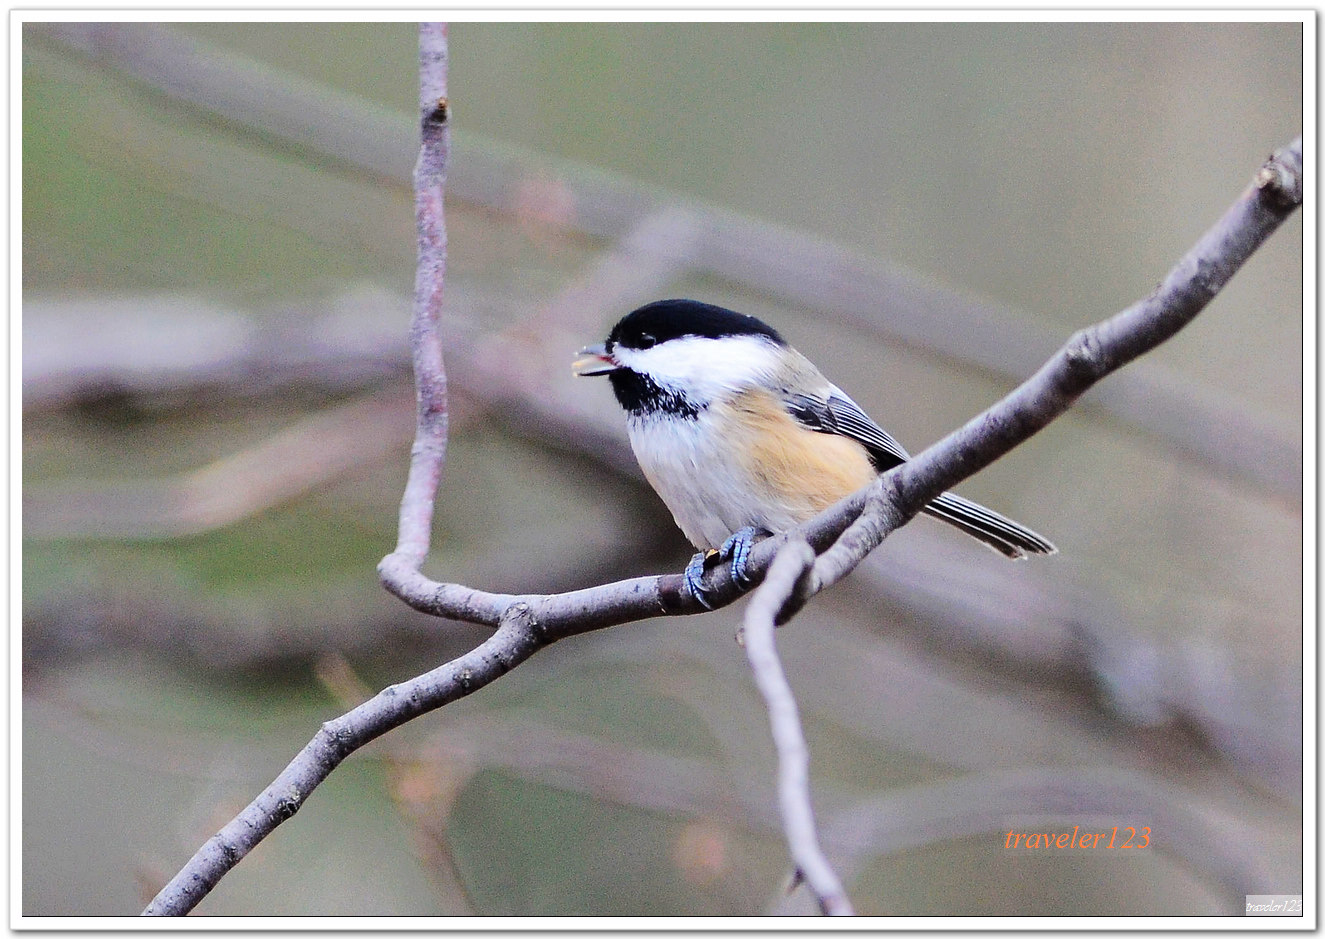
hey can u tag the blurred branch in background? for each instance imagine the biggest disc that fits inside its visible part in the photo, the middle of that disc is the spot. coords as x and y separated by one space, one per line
166 352
1038 627
1230 850
1179 700
1062 632
283 467
1204 425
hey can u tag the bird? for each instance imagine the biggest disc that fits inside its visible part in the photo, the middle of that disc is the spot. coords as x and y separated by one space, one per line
742 436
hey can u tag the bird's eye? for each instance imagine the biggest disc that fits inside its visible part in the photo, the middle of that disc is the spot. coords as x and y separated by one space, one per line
647 340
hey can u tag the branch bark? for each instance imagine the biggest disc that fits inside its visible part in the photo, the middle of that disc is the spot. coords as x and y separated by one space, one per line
340 737
841 536
788 582
429 452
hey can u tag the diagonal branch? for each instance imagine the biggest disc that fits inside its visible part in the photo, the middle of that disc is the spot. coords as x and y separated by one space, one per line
842 535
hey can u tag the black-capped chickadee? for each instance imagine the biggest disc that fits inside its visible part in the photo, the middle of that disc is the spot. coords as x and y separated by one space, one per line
741 435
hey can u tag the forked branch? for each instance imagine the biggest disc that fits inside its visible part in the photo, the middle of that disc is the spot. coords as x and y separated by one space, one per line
839 538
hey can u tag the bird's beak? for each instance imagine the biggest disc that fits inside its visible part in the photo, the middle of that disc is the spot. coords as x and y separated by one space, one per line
594 360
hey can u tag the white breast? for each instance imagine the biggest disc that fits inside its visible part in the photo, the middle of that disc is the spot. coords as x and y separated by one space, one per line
690 464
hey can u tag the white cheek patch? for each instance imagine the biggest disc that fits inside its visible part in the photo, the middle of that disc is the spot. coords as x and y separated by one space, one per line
704 369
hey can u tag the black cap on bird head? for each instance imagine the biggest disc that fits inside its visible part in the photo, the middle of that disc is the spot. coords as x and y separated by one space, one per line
673 319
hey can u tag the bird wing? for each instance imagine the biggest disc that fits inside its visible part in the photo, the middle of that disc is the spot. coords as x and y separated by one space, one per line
834 412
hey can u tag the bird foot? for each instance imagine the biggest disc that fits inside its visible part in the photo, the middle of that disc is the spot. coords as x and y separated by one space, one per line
736 548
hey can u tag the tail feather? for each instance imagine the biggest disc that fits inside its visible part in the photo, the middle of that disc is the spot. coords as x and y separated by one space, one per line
1002 534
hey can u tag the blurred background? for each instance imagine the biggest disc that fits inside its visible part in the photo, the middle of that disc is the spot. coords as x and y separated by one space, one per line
218 258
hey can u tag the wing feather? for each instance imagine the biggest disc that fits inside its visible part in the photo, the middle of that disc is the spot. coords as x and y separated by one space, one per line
835 413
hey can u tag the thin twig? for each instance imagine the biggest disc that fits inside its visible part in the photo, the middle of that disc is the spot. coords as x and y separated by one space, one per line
429 453
785 581
397 704
527 623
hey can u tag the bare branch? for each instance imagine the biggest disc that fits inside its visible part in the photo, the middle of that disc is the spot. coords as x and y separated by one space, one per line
429 452
513 642
1097 351
1089 356
527 623
788 582
502 651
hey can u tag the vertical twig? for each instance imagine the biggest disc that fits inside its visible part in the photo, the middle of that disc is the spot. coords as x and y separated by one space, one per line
787 583
338 738
429 452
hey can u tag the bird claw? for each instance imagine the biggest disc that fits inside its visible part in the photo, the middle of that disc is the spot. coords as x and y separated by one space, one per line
694 577
737 548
